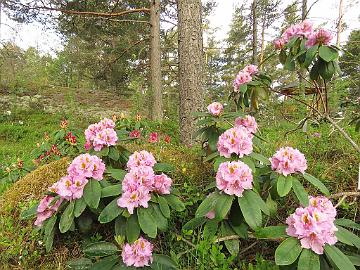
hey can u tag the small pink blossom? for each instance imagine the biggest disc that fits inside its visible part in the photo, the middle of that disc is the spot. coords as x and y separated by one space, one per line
134 199
139 177
135 134
321 37
288 160
46 209
248 122
234 177
236 140
314 225
215 108
162 184
101 134
142 158
279 43
167 139
138 254
153 137
70 187
251 69
210 215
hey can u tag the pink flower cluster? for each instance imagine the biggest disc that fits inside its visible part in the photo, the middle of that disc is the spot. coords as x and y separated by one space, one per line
248 122
314 225
215 108
288 160
233 178
304 29
140 181
71 186
237 140
138 254
46 209
244 76
101 134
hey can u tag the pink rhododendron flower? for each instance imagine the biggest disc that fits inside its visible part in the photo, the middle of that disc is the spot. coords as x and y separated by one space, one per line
234 177
235 140
288 160
215 108
141 176
279 43
305 28
243 77
321 36
142 158
153 137
137 254
101 134
87 166
135 134
251 69
87 145
162 184
210 215
134 199
248 122
70 187
314 225
46 209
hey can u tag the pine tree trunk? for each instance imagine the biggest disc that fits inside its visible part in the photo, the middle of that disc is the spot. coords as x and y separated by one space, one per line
155 62
302 72
340 22
190 66
254 32
262 50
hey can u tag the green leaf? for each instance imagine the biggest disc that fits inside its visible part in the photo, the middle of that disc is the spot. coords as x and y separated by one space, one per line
120 226
284 185
67 218
231 245
114 153
210 228
317 183
260 158
347 223
175 202
92 193
314 72
211 156
194 223
84 223
326 70
110 212
161 221
79 207
338 258
218 161
103 152
164 167
328 54
240 229
223 205
250 211
288 251
132 229
164 207
50 224
248 161
243 88
29 213
117 174
282 57
355 259
347 237
256 199
112 190
49 233
106 263
308 260
300 192
289 63
207 204
100 249
79 264
147 222
310 54
163 262
271 232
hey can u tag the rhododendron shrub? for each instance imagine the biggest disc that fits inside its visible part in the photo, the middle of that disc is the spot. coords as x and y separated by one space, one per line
309 48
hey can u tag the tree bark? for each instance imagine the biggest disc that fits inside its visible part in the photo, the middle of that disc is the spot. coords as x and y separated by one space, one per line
191 67
254 32
262 50
155 62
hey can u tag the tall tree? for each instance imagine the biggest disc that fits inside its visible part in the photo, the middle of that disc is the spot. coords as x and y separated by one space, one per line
155 61
190 65
254 59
